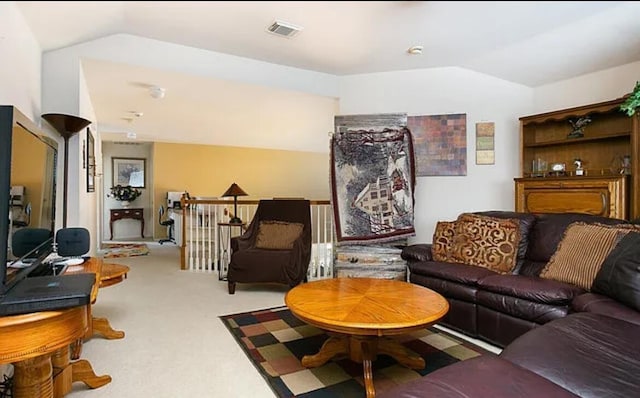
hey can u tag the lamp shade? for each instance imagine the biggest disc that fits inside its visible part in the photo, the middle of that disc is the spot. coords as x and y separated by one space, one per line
234 190
66 125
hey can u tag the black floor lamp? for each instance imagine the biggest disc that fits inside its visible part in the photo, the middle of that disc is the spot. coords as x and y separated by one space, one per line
67 126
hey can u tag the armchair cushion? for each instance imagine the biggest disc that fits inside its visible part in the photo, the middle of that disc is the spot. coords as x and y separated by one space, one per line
277 234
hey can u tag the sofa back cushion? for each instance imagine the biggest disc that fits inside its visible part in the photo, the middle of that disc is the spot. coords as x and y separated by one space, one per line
619 276
581 252
548 231
487 242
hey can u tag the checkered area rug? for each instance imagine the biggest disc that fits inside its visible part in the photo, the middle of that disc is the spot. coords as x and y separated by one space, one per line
275 341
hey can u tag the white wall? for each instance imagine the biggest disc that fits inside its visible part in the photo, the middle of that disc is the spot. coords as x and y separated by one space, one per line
605 85
20 63
446 91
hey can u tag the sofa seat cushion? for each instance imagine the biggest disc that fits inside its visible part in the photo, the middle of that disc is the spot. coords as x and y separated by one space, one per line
587 354
446 288
531 311
485 376
531 288
603 305
454 272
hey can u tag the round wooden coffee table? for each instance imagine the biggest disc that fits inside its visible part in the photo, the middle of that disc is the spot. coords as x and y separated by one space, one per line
359 313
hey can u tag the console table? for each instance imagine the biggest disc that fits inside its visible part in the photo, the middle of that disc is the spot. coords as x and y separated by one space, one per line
134 214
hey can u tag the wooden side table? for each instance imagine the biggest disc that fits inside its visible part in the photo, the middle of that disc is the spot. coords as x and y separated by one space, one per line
120 214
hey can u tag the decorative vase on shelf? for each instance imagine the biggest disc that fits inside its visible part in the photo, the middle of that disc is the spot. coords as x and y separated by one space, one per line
125 204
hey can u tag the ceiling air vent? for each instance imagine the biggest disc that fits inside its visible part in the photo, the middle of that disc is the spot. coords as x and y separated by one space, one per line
284 29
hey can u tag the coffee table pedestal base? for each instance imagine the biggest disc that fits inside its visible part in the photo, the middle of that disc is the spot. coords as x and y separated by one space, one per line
363 349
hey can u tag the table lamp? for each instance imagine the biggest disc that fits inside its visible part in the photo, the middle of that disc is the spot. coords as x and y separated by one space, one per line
235 191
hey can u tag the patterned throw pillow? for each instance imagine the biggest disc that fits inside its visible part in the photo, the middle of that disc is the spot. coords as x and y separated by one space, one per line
277 234
442 240
581 252
486 242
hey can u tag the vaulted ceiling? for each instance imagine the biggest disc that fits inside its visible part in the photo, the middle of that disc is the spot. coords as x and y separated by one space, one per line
531 43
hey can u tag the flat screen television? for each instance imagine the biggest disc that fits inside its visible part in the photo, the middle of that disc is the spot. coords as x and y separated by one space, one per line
27 159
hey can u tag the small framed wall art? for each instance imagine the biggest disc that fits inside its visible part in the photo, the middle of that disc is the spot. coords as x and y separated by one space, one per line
129 171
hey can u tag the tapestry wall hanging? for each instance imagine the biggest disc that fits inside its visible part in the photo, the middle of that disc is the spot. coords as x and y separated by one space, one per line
372 180
440 143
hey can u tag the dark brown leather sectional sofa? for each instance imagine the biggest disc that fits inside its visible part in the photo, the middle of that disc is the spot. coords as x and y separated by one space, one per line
559 340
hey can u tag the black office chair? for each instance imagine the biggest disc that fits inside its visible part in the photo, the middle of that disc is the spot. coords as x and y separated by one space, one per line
166 223
26 220
26 239
72 242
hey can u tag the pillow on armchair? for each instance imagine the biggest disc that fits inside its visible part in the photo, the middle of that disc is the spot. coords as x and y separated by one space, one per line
277 235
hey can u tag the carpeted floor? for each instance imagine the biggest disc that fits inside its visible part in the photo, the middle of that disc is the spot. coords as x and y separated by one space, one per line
275 341
113 250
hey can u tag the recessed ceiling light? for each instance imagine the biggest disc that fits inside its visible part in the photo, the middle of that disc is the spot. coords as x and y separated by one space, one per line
157 92
415 50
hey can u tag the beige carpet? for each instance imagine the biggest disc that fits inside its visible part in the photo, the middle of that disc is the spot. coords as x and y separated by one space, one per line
175 344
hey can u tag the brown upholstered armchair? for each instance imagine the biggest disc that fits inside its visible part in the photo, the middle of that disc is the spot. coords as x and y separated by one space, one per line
276 247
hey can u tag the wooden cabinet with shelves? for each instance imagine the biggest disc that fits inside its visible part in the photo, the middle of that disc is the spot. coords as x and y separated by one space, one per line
610 136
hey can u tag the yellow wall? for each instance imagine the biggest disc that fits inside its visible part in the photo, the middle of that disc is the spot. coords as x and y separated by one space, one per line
29 171
208 170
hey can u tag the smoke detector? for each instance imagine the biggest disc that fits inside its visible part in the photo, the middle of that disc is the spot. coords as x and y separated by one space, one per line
284 29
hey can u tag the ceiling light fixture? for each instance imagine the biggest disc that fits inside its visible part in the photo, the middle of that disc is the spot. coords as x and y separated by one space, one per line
157 92
415 50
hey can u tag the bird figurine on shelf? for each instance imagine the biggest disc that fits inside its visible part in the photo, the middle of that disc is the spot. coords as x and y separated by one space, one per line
578 127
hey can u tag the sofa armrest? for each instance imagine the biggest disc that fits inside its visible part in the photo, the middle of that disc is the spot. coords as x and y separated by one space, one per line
415 253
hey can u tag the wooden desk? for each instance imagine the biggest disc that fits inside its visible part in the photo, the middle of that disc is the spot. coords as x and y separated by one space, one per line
134 214
38 345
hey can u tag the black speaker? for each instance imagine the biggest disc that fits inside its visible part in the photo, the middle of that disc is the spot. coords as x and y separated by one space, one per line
72 242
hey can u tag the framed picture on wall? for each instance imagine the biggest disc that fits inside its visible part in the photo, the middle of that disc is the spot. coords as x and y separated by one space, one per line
91 162
129 171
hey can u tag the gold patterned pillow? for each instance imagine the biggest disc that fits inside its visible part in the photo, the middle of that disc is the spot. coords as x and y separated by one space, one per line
581 252
277 234
442 240
486 242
